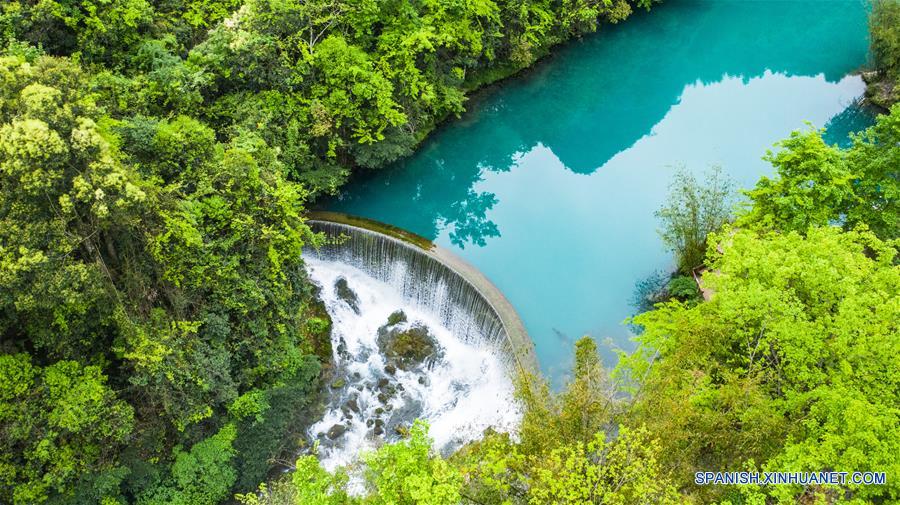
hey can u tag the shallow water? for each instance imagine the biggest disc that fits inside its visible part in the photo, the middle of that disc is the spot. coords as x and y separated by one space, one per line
550 181
466 390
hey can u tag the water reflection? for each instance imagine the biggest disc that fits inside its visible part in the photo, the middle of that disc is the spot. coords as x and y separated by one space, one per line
554 177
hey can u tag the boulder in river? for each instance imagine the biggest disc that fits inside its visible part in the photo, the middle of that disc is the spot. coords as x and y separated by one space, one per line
396 317
343 291
407 346
336 431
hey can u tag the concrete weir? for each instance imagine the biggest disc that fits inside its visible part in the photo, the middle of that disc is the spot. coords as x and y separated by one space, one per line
429 276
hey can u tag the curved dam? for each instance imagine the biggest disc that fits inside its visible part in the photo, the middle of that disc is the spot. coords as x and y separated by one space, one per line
430 277
417 334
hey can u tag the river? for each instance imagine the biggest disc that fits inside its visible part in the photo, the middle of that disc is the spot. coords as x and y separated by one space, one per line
549 182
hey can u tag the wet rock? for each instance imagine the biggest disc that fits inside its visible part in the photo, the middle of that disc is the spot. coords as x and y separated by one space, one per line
379 411
343 291
342 349
352 404
408 346
383 398
336 431
378 430
390 369
383 382
369 422
338 384
356 375
423 380
396 318
410 409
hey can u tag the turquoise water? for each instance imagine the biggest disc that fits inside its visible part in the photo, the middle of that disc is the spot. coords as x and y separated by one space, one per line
549 182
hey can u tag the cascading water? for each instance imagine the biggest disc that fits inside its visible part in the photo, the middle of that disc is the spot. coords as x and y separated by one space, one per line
412 339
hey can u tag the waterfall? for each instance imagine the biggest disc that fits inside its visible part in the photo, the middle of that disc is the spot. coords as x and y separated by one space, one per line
432 278
375 286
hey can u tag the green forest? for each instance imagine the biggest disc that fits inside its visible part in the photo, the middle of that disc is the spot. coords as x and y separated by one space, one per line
161 339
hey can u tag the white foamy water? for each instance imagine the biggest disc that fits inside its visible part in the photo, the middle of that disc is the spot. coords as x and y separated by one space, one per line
466 390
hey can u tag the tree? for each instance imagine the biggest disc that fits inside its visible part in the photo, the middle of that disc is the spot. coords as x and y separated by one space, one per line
408 473
585 407
813 184
57 424
171 265
98 30
790 365
692 213
69 206
202 476
817 184
622 471
884 30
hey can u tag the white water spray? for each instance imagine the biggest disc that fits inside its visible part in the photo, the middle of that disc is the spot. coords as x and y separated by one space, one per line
462 392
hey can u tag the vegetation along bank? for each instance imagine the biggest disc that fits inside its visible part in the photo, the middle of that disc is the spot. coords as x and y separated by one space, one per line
159 335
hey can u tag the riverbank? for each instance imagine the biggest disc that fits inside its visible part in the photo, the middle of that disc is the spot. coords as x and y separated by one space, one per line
881 90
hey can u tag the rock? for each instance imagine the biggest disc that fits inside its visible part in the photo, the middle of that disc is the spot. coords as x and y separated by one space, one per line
423 380
378 430
338 384
346 294
390 369
396 318
379 411
383 382
353 405
369 422
336 431
342 349
408 346
379 422
383 398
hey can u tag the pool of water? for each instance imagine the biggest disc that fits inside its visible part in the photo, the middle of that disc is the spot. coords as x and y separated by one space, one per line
550 181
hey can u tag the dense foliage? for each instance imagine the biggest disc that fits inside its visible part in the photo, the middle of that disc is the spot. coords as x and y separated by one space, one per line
563 455
330 84
694 211
790 365
150 280
159 337
884 29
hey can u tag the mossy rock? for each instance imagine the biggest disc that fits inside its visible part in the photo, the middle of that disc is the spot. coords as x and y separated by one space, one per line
408 347
317 328
345 293
882 90
396 318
